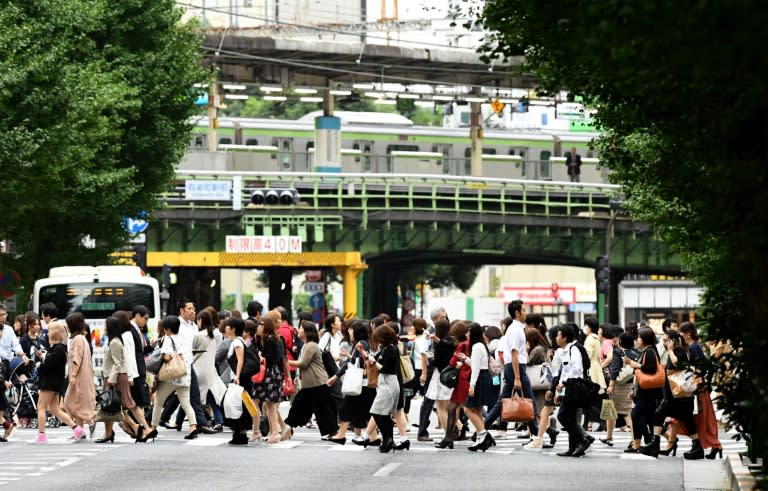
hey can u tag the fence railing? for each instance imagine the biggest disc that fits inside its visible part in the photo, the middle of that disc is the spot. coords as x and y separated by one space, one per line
368 194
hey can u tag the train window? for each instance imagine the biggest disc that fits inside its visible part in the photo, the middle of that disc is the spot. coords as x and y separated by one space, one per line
468 161
310 145
356 146
274 144
225 140
511 151
286 154
590 154
366 158
446 161
489 151
252 141
545 167
435 149
199 141
522 154
402 148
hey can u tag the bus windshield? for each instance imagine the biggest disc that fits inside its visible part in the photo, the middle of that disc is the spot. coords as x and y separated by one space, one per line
97 300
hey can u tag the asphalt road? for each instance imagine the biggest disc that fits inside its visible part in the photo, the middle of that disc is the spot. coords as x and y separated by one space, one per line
307 462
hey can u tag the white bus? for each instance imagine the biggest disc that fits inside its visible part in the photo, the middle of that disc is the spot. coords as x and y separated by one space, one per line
97 292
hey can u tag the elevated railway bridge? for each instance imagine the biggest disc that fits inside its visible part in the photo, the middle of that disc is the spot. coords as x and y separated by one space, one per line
371 227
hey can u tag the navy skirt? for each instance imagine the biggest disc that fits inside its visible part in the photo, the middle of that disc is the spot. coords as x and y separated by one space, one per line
484 394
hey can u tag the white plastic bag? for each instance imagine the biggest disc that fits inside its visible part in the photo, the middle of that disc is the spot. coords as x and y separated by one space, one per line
232 403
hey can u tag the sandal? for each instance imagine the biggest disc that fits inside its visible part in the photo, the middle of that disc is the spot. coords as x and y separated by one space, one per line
607 441
274 438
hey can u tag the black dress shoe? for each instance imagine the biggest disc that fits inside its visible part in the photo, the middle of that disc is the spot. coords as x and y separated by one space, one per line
424 438
338 441
207 430
568 453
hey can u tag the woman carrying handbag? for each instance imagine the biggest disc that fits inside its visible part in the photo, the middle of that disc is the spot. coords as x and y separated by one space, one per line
172 349
646 399
355 410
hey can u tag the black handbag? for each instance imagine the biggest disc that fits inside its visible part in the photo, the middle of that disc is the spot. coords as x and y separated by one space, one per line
580 392
110 400
251 362
328 362
449 376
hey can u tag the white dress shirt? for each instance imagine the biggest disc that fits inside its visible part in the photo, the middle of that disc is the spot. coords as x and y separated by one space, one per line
514 339
572 366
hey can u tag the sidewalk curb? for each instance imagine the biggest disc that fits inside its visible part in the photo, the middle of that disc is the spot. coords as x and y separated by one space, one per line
739 476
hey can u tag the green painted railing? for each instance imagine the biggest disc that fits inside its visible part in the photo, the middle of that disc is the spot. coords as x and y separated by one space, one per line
327 193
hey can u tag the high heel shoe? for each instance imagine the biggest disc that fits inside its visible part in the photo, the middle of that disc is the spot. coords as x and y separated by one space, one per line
367 442
670 450
404 445
109 439
152 434
715 452
338 441
463 433
140 433
192 434
444 444
387 446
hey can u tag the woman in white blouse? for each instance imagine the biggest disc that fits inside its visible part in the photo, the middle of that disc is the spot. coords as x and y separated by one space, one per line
480 387
171 344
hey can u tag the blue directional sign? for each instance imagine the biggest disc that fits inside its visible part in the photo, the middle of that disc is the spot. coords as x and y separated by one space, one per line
135 225
317 301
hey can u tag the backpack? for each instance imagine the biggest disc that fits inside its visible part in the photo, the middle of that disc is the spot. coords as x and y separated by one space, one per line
585 364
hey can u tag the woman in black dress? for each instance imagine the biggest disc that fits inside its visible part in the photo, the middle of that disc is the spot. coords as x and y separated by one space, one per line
270 390
680 408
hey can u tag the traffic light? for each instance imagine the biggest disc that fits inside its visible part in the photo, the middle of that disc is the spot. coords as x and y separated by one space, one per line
602 274
166 280
272 197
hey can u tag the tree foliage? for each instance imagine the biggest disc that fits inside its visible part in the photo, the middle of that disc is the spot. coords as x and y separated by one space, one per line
682 95
440 276
94 102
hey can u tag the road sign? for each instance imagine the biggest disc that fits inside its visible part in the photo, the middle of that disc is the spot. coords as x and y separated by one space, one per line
139 239
582 307
314 286
135 225
317 301
313 274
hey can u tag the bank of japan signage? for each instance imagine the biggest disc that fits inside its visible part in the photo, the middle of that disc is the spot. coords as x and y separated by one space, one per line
263 244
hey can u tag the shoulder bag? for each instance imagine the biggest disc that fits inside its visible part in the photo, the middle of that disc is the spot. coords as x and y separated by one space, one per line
328 362
449 376
109 400
406 368
540 376
289 388
251 361
154 361
516 408
259 376
650 380
682 383
173 368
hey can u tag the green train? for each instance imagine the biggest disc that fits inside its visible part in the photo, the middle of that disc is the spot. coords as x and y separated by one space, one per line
389 143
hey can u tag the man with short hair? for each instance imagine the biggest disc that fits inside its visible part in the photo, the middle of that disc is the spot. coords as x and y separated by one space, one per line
572 367
49 313
255 310
573 164
515 358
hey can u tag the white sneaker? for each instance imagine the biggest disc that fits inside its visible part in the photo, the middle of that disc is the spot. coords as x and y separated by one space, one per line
500 435
534 445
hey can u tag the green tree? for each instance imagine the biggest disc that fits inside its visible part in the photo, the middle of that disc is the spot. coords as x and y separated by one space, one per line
440 276
94 101
681 96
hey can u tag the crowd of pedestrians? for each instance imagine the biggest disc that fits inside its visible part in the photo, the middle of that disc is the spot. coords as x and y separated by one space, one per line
215 369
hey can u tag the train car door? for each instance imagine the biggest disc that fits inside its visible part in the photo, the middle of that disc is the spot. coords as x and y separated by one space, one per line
544 167
445 162
365 161
284 156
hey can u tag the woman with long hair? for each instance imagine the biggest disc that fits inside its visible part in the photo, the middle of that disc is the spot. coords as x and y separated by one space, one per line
51 376
443 351
81 391
460 393
314 396
555 356
480 387
355 410
212 389
270 391
645 400
706 422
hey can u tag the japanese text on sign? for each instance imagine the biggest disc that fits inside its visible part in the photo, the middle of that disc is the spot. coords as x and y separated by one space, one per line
263 243
208 190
